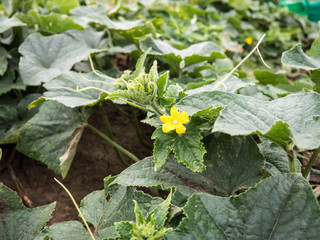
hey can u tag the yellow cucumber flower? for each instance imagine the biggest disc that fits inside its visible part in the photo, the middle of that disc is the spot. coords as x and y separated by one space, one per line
175 121
248 40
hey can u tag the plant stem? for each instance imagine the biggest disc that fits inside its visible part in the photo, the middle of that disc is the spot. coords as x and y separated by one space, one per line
114 144
107 124
78 209
136 125
312 160
292 161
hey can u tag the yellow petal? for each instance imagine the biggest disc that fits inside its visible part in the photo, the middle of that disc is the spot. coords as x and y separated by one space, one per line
183 118
174 112
167 127
180 128
165 118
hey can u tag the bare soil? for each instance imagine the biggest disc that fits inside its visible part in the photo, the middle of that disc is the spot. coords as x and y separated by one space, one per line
95 159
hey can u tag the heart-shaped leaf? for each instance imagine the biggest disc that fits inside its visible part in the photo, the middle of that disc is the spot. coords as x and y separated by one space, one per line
44 58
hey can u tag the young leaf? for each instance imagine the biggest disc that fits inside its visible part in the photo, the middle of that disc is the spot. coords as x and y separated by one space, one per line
280 207
52 135
187 147
44 58
17 221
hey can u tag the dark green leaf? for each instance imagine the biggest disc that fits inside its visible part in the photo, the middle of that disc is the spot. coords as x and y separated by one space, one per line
17 221
52 135
280 207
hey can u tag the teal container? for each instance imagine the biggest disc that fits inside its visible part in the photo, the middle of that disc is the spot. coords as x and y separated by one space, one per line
304 7
300 7
314 11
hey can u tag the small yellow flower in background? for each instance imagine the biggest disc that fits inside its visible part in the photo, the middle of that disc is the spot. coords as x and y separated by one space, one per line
175 121
248 40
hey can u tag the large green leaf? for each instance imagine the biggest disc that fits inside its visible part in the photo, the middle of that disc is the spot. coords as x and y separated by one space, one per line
231 163
51 23
195 53
70 89
187 147
11 5
280 207
102 213
61 5
52 135
7 23
17 221
44 58
13 116
290 119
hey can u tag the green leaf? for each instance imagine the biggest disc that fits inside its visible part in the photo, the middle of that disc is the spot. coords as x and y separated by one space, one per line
232 163
61 5
44 58
65 230
130 29
3 60
233 84
51 23
187 147
7 23
277 161
102 213
64 89
13 116
280 207
11 5
244 115
94 39
52 135
193 54
17 221
9 82
296 58
266 77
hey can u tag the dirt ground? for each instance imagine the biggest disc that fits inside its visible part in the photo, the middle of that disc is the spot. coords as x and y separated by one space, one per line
94 160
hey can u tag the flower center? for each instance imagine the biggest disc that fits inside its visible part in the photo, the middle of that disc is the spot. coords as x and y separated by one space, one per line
175 121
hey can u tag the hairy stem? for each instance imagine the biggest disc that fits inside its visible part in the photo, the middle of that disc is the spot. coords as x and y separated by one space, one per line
114 144
311 162
292 161
107 124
